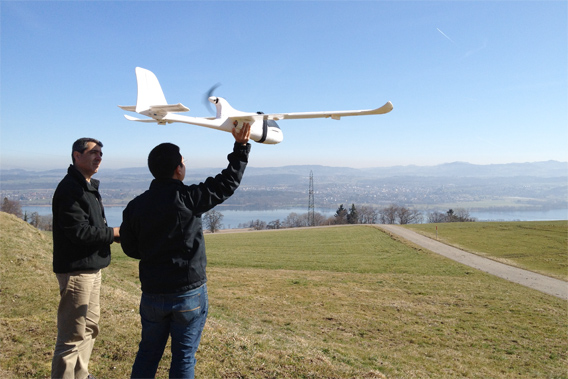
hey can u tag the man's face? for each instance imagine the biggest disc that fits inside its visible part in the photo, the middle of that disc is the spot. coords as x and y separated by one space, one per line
89 161
182 170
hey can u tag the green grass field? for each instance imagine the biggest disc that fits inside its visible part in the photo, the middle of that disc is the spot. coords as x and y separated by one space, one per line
540 246
337 302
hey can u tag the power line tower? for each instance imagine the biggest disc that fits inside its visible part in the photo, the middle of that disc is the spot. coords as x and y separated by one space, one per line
311 216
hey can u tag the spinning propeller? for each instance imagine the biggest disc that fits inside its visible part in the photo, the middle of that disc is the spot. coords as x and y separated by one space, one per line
208 95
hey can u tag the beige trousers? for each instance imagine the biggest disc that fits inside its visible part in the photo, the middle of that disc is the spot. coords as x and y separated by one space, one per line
77 323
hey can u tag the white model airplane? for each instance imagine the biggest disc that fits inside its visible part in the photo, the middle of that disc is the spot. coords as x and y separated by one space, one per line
151 102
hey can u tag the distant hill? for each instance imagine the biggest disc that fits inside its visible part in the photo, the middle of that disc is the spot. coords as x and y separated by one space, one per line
460 169
546 169
456 169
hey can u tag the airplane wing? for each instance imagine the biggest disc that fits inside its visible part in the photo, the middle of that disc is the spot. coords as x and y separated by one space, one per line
336 115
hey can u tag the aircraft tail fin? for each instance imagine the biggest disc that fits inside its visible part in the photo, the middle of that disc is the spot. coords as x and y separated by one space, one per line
149 90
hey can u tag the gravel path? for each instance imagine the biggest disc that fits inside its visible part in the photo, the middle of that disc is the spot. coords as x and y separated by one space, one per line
548 285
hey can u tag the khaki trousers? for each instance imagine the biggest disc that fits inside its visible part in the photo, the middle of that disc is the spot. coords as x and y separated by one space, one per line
77 323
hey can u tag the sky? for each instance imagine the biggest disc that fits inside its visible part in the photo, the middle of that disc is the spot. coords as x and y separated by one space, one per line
484 82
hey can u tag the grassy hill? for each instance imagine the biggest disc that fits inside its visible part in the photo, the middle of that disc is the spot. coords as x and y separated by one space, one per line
539 246
345 302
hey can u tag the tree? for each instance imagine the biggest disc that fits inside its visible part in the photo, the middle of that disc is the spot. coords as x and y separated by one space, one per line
408 216
341 215
319 219
34 219
275 224
41 222
388 215
258 224
46 223
12 206
394 214
368 215
213 220
450 216
457 215
353 216
436 217
295 220
462 215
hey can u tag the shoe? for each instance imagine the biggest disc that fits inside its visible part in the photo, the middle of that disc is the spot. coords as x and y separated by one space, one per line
91 377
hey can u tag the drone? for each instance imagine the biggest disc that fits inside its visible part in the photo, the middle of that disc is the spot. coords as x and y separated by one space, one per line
152 103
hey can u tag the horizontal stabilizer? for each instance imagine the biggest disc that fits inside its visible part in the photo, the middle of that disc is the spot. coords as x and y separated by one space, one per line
130 118
179 107
129 108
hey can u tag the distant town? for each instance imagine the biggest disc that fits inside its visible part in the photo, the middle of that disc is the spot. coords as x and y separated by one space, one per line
524 186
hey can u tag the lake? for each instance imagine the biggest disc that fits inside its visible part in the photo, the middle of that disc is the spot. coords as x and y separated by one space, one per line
232 218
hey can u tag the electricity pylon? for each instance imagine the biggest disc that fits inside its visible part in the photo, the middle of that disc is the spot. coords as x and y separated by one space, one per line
311 216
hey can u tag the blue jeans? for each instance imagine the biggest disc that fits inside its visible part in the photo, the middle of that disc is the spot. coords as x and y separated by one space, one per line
180 315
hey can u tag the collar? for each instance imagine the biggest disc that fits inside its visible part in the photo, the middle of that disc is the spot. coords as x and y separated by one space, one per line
93 185
161 183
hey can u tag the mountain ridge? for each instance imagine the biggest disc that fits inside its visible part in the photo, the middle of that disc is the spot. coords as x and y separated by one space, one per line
549 168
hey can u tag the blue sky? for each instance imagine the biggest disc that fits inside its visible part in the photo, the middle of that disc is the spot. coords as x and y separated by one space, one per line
475 81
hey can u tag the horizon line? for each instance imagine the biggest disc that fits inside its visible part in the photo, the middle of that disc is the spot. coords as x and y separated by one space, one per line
303 165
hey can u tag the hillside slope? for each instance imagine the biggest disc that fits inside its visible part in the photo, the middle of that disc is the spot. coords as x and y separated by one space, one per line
26 324
29 298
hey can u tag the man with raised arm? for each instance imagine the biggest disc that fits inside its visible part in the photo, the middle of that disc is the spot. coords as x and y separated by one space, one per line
163 228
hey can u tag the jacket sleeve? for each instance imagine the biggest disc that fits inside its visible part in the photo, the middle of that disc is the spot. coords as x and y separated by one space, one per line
128 240
76 225
215 190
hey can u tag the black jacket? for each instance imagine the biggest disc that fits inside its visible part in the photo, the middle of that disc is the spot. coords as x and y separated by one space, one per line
81 237
162 227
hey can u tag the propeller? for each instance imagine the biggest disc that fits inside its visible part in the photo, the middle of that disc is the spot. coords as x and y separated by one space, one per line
208 95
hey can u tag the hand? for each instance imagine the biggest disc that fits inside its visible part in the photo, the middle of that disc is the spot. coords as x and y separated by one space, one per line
116 233
241 135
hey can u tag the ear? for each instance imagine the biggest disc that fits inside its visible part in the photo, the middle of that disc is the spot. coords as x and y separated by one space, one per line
178 172
76 155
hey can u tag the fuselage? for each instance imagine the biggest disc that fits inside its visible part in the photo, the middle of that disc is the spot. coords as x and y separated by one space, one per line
261 131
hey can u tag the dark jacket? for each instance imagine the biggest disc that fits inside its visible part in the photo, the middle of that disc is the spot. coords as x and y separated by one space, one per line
162 227
81 237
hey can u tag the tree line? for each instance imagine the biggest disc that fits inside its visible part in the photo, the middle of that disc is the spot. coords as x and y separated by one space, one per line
35 219
392 214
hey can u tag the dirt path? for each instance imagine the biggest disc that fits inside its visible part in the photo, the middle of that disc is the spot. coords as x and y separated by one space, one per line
548 285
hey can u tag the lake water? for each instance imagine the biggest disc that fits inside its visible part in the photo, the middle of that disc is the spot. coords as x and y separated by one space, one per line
549 215
232 218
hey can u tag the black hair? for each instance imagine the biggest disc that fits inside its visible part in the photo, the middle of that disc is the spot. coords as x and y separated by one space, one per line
81 145
163 160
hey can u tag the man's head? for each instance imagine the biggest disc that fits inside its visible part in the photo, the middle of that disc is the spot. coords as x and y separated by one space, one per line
87 156
166 162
